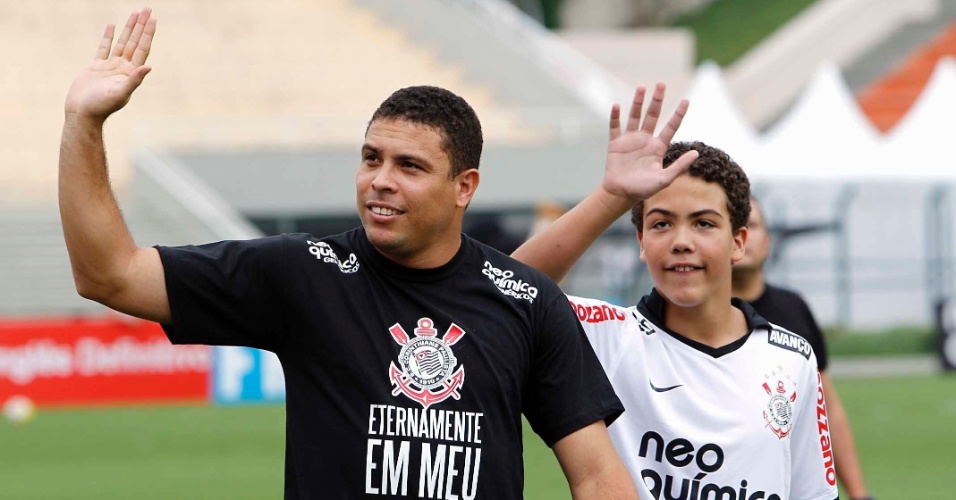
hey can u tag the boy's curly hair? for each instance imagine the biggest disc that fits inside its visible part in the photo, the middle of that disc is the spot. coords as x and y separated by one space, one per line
712 165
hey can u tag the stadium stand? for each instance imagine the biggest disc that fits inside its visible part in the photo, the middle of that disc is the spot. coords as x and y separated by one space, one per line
277 98
238 76
886 100
768 77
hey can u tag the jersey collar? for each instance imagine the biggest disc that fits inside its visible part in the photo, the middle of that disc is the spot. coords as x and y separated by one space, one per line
652 307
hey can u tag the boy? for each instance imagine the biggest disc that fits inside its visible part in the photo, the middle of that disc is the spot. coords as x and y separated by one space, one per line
721 404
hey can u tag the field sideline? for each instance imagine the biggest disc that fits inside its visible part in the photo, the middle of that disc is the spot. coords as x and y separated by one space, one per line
905 428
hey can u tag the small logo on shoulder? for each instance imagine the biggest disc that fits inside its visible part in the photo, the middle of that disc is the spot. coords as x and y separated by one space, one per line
790 342
324 252
597 313
508 285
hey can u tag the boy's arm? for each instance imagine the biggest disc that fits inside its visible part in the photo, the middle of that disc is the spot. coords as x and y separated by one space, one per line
634 170
592 466
107 265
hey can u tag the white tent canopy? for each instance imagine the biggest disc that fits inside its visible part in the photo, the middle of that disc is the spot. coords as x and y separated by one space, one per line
713 117
823 135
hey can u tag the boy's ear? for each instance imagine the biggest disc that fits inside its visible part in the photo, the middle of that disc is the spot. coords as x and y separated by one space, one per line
740 245
640 243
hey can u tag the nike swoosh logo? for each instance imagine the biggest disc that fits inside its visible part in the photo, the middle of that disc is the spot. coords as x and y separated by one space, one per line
663 389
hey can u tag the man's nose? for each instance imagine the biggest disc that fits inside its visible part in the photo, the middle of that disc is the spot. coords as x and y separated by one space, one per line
384 179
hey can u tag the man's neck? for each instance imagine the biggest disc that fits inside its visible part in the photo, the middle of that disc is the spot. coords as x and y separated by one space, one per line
435 256
748 284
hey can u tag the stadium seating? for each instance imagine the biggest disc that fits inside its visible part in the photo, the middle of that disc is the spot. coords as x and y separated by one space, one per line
236 75
888 99
239 73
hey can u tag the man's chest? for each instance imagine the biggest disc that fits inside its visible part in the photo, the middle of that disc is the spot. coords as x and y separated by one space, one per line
419 343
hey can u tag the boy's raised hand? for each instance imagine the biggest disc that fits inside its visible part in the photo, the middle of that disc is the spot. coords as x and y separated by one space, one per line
635 157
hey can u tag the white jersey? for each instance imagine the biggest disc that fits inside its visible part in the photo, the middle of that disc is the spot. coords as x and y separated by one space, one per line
746 421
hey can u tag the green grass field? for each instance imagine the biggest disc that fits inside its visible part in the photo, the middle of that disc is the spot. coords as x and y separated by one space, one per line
905 429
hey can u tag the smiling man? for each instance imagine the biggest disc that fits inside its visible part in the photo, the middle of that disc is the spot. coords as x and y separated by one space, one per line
409 350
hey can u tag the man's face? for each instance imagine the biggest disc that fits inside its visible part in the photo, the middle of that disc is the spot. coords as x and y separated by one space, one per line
758 241
409 205
688 242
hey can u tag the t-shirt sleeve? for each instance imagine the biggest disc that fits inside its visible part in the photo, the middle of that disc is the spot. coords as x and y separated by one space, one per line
813 467
603 324
568 389
226 293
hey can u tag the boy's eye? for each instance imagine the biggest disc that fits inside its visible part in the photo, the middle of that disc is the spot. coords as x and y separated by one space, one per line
659 224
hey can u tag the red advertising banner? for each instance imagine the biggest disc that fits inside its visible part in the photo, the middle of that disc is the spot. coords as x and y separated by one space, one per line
99 361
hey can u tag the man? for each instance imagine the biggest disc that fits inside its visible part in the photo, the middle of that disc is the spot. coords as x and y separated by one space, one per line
787 309
721 404
376 328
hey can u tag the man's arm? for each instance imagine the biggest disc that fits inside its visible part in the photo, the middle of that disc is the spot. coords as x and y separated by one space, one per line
634 171
844 449
592 466
107 265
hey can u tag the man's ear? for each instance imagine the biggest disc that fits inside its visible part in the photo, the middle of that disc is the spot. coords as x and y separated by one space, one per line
740 245
640 243
467 183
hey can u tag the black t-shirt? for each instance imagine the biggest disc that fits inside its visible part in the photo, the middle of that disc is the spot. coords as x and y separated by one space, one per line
399 382
787 309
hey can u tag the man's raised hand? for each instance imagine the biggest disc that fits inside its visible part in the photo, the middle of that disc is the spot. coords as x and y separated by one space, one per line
635 157
105 86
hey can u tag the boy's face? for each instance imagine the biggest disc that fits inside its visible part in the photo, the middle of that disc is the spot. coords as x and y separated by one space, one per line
688 242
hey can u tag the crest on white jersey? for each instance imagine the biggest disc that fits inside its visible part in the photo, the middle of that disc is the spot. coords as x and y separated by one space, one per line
427 362
779 410
324 252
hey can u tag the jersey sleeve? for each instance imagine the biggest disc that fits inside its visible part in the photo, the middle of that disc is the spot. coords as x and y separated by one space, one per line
568 390
603 324
813 467
226 293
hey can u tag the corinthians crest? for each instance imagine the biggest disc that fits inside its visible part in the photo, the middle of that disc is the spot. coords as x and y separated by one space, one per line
427 363
779 411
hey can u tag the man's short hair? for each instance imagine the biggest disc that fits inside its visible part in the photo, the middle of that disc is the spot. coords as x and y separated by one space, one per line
712 165
445 112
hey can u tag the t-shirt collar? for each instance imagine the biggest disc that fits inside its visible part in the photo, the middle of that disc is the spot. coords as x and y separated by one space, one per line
375 259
